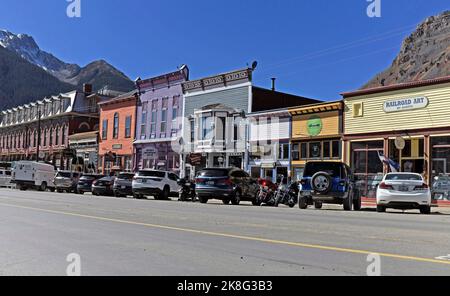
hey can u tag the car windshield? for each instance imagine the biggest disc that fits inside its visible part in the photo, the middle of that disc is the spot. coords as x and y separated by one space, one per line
333 169
213 173
403 177
107 179
125 176
90 177
152 174
64 175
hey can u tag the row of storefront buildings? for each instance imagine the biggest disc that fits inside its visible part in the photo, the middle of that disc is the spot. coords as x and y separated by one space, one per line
173 123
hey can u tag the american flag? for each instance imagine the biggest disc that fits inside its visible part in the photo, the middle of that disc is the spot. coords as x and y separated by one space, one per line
394 166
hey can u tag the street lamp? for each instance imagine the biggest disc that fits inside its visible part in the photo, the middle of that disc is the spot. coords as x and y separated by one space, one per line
246 121
39 135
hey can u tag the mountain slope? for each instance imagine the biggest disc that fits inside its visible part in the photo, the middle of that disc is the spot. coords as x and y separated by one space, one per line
425 54
97 73
22 82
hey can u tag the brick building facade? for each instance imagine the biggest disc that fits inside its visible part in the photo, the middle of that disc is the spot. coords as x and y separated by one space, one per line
117 133
60 116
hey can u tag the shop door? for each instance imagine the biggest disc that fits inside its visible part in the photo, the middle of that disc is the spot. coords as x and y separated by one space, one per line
283 171
439 167
367 166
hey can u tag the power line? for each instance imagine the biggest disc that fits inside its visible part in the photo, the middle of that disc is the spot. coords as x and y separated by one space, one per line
337 61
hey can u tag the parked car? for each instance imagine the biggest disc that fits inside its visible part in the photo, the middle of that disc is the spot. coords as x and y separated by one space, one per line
104 186
226 184
329 182
85 182
159 184
5 178
33 175
123 185
441 188
404 191
66 181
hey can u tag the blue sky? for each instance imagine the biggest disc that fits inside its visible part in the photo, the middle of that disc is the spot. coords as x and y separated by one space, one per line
315 48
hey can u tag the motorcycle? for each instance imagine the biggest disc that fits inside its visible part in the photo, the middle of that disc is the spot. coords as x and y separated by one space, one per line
266 192
287 194
187 190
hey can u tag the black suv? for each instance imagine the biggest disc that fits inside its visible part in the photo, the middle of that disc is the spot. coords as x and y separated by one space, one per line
329 182
226 184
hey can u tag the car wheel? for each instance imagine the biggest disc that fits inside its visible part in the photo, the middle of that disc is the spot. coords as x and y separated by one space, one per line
318 205
43 187
80 192
357 204
256 202
302 203
381 209
226 201
59 191
165 193
23 188
236 199
348 202
426 210
203 200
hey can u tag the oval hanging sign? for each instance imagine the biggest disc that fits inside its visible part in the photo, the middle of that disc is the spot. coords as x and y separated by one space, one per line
405 104
314 126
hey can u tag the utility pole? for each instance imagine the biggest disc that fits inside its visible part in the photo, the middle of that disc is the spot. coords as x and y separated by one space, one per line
39 135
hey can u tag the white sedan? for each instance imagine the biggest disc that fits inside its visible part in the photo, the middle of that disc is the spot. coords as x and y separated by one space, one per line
404 191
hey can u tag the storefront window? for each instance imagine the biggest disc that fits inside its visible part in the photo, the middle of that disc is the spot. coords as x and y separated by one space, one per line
440 168
298 174
283 151
326 150
411 158
315 150
296 152
367 166
206 127
320 150
336 149
441 156
255 172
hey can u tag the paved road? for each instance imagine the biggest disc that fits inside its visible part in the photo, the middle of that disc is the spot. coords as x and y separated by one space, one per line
146 237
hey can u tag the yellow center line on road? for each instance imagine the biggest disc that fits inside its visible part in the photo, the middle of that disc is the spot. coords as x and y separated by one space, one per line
234 236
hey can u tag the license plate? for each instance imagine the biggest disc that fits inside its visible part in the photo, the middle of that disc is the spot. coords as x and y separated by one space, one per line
124 187
144 181
404 188
210 183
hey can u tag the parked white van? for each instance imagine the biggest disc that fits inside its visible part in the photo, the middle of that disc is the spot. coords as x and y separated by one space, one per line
33 175
5 178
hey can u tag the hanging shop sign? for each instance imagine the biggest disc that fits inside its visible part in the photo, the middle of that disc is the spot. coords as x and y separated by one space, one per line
149 153
405 104
195 159
400 143
314 126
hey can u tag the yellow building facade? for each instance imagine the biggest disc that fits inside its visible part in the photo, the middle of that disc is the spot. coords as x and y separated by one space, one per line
316 134
407 123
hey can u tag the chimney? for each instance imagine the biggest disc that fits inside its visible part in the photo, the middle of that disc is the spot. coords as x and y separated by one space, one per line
87 88
273 84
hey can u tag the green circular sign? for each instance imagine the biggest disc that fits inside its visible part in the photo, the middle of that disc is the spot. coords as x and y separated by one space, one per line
314 126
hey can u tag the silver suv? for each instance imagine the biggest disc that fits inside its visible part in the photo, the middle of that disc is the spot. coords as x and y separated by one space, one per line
159 184
66 181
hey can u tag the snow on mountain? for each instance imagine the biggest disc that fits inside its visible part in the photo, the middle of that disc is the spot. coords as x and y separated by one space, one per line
96 73
26 47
